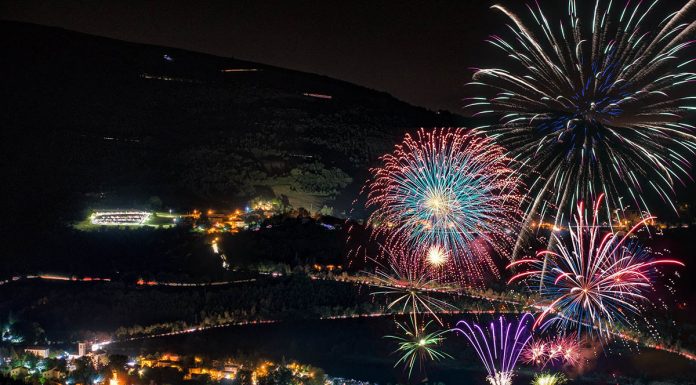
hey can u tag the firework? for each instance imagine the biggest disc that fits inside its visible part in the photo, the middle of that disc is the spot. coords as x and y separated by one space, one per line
410 286
557 350
499 346
549 379
448 195
437 256
596 280
535 353
408 283
594 104
418 346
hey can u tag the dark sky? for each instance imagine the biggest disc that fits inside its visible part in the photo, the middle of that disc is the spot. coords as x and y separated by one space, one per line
419 51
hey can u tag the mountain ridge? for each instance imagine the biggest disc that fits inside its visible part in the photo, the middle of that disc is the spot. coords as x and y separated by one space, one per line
123 122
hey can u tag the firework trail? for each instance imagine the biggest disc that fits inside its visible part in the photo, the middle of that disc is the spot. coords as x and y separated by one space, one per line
594 104
596 280
499 346
449 195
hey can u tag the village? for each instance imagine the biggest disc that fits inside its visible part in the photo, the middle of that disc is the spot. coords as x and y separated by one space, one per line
89 364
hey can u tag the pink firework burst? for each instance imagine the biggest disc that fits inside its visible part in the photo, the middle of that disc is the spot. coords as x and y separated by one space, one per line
554 351
595 280
449 195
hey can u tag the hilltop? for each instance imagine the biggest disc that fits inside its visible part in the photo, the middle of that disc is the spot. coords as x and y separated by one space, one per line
96 121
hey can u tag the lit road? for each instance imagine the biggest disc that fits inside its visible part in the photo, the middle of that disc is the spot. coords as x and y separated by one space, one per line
357 279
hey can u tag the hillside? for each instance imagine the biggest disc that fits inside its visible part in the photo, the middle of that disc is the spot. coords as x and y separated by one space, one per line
91 120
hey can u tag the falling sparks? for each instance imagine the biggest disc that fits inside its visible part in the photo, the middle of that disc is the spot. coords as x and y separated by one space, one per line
499 346
594 281
410 286
450 195
592 106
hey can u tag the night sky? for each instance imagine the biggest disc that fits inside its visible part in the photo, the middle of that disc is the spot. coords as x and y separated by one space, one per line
419 51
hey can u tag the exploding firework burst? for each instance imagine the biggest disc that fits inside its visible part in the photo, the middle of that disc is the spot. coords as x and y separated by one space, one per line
594 104
535 353
549 379
557 350
418 346
448 195
437 256
596 281
408 283
410 286
499 346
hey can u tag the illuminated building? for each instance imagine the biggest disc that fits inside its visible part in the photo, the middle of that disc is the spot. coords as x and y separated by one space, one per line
19 372
120 217
37 351
83 348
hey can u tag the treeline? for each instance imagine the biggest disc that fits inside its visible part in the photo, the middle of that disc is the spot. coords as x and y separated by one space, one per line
70 311
291 241
67 309
130 253
176 254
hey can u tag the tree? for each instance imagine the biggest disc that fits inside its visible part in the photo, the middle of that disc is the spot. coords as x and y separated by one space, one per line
29 332
117 362
314 178
161 376
244 377
279 375
84 371
155 202
318 377
326 210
